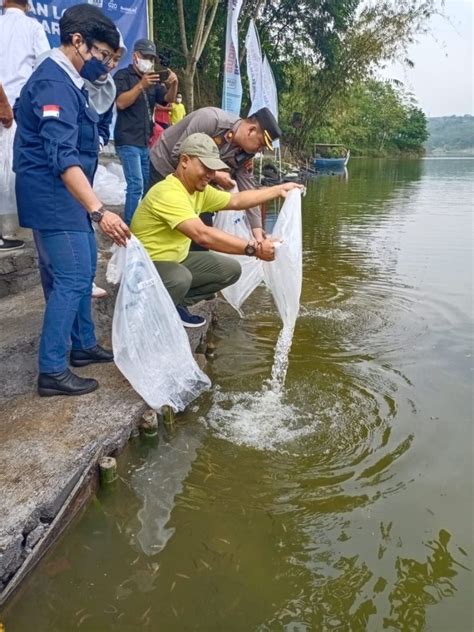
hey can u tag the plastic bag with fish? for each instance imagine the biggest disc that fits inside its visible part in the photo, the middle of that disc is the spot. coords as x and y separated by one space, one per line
151 347
7 176
109 184
283 276
236 223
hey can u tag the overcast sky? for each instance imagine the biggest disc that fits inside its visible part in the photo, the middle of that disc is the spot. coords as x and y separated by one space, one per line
442 79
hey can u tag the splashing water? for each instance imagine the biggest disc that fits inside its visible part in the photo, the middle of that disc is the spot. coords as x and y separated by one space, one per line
262 419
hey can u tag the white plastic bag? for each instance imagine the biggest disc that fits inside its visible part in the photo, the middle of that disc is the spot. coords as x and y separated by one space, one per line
109 184
7 176
284 276
236 223
151 347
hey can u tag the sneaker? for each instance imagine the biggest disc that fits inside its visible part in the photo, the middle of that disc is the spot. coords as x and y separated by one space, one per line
188 319
10 244
98 292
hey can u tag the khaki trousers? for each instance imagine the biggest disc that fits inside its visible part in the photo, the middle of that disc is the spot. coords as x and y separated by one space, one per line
198 277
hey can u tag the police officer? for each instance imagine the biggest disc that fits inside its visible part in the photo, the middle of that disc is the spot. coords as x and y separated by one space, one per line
55 157
238 140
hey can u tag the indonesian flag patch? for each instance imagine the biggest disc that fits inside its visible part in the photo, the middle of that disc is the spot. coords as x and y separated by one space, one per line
51 110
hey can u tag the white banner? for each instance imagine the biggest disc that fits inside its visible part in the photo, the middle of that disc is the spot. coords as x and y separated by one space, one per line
254 68
232 90
269 92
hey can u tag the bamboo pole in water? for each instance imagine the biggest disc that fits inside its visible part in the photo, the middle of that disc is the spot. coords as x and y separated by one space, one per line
107 470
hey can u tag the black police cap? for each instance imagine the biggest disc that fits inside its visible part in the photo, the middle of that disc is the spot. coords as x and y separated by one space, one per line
269 125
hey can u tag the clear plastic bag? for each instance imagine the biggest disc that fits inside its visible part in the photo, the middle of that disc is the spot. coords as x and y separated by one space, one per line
284 276
151 347
236 223
109 184
7 176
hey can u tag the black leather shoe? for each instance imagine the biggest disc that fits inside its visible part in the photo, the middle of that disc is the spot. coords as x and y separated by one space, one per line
65 383
82 357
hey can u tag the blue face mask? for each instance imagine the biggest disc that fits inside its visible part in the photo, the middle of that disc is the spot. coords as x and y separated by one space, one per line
93 69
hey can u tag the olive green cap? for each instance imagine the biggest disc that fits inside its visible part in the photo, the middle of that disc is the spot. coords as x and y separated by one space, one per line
203 147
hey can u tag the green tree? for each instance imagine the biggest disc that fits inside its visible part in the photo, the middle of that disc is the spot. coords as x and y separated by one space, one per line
192 51
413 133
318 49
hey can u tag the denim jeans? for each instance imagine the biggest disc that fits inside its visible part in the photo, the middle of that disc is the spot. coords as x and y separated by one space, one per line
135 163
67 267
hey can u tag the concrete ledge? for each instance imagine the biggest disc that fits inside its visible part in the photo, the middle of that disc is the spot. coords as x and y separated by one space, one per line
47 445
18 270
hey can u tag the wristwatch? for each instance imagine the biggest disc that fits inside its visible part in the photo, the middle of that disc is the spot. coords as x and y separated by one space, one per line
250 250
96 216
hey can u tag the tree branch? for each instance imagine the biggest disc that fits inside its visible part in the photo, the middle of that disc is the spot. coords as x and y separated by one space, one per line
198 34
207 29
182 28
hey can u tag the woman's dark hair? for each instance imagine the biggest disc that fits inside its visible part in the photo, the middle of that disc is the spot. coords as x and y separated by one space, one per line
91 23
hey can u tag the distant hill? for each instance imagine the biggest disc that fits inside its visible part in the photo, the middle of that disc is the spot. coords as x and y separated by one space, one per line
451 135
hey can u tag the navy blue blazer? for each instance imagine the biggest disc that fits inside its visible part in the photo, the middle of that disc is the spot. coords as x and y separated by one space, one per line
56 130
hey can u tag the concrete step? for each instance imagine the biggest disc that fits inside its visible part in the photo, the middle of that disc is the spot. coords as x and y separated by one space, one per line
18 270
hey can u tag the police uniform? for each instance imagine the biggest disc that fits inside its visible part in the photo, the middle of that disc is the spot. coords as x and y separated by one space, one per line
221 126
57 129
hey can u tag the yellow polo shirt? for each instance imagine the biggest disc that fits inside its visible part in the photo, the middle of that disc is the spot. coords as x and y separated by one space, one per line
164 207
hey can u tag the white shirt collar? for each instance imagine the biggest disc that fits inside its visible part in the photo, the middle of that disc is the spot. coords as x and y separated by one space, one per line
14 10
60 58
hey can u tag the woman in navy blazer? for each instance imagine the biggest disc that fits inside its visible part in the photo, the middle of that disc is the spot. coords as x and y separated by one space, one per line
56 153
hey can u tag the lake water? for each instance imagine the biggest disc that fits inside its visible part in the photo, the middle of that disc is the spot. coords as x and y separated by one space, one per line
343 503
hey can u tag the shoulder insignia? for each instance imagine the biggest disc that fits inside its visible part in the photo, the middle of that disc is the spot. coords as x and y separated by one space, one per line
51 110
248 165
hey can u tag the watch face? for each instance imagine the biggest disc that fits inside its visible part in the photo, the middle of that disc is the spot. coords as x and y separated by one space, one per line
96 216
250 250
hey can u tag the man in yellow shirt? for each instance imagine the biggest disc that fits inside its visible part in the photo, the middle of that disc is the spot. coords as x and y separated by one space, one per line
178 111
168 219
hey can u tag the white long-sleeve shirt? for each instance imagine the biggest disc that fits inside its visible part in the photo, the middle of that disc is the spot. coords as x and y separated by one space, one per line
22 40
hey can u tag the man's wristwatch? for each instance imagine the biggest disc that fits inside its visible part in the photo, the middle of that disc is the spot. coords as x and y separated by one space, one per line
250 250
96 216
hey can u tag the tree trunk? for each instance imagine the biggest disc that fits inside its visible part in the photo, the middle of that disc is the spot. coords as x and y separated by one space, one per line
194 52
189 90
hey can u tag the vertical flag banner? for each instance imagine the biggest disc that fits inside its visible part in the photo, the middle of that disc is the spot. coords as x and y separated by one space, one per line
232 90
254 68
269 92
130 17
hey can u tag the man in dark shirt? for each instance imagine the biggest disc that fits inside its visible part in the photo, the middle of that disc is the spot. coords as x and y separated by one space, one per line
138 91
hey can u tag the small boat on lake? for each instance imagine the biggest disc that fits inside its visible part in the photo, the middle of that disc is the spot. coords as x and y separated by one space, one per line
330 156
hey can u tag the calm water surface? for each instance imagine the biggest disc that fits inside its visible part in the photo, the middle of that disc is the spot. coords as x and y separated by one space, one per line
345 504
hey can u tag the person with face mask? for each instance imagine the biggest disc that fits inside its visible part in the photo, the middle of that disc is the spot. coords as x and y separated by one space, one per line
101 94
139 90
22 41
55 157
178 111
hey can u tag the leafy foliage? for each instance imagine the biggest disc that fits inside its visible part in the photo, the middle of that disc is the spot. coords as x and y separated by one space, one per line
321 51
375 117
